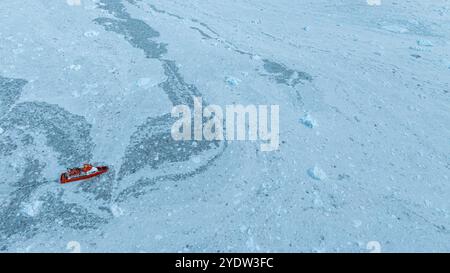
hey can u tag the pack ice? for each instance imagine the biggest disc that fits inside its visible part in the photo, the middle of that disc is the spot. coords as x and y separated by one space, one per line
95 81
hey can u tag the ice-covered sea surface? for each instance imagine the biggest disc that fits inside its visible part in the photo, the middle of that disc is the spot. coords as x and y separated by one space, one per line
364 96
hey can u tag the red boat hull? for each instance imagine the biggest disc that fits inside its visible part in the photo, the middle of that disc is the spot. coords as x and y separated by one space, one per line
65 179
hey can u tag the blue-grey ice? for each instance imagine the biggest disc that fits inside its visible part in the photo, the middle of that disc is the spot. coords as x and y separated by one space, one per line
96 80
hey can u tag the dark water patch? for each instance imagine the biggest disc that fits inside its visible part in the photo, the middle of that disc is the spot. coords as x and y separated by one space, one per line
27 140
202 33
69 136
10 90
100 187
68 215
178 91
114 7
206 26
53 211
284 75
155 9
137 33
7 145
141 186
13 220
66 133
152 145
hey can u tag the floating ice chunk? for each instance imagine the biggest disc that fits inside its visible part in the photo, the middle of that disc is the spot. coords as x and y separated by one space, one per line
374 2
420 48
374 247
146 82
74 2
357 223
232 81
1 130
75 94
243 228
32 209
75 67
317 173
116 210
91 33
427 43
317 200
256 57
308 121
143 82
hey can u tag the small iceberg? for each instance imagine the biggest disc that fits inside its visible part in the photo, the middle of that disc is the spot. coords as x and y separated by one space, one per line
232 81
317 173
308 121
426 43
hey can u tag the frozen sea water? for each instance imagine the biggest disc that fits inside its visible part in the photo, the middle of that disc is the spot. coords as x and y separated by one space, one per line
95 81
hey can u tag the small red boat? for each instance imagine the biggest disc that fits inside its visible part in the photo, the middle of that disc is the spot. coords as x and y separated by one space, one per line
86 172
